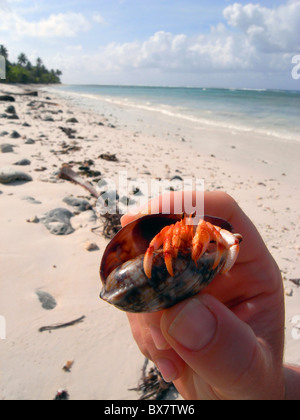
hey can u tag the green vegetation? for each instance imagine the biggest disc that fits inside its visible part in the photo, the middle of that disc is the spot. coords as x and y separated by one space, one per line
24 72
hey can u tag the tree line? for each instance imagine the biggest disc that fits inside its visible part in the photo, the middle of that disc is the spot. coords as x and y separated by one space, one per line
25 72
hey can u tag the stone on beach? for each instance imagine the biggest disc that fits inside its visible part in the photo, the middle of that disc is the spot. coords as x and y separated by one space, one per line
10 110
9 175
15 135
6 148
48 302
79 203
23 162
29 141
31 200
91 246
57 221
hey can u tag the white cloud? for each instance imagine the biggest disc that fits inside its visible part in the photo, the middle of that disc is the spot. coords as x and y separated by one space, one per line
56 25
98 18
253 40
265 40
269 30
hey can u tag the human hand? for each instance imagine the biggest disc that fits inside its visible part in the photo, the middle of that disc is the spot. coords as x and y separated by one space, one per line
227 342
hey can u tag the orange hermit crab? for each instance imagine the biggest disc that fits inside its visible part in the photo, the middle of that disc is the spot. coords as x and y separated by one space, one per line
159 260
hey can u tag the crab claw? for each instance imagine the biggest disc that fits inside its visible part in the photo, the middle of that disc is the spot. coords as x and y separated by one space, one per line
232 255
233 240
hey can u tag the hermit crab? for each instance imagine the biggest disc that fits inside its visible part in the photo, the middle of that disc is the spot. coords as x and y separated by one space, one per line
159 260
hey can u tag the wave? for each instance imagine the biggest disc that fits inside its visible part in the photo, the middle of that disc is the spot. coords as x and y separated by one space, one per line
223 119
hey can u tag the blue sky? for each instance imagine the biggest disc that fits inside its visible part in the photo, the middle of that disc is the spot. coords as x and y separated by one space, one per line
161 42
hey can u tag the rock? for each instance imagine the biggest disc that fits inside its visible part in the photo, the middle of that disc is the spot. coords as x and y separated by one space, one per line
10 110
33 219
23 162
48 302
48 119
79 203
9 175
90 246
25 124
72 120
6 148
57 221
29 141
3 133
7 98
13 117
31 200
15 135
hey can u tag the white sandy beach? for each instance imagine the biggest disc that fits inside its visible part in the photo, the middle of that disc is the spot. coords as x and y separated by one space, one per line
260 172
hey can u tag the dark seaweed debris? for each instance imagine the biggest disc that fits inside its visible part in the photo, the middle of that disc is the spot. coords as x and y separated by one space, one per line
64 325
152 386
111 224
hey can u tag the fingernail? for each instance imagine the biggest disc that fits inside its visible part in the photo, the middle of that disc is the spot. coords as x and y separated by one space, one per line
159 340
194 327
167 368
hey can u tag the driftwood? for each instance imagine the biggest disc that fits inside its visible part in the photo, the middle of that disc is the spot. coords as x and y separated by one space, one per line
111 222
7 98
24 93
41 104
68 174
58 326
109 157
152 385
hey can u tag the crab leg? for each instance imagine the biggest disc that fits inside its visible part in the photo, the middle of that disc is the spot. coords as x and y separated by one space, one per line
155 244
176 240
168 250
201 240
219 254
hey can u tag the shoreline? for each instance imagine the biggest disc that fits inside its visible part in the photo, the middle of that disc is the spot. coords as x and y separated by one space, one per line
264 181
163 109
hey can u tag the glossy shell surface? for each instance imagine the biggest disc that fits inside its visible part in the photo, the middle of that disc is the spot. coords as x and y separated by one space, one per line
125 284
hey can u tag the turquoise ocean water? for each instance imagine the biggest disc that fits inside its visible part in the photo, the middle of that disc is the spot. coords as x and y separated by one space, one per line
270 112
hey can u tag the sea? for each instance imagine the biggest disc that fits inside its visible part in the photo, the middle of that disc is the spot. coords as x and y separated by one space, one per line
268 112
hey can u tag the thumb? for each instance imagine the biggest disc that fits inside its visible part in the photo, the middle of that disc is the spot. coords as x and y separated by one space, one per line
217 346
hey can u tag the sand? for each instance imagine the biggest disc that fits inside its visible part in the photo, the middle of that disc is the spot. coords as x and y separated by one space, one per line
260 172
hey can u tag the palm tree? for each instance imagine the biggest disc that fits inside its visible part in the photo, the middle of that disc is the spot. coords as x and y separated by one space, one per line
22 60
3 51
39 63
